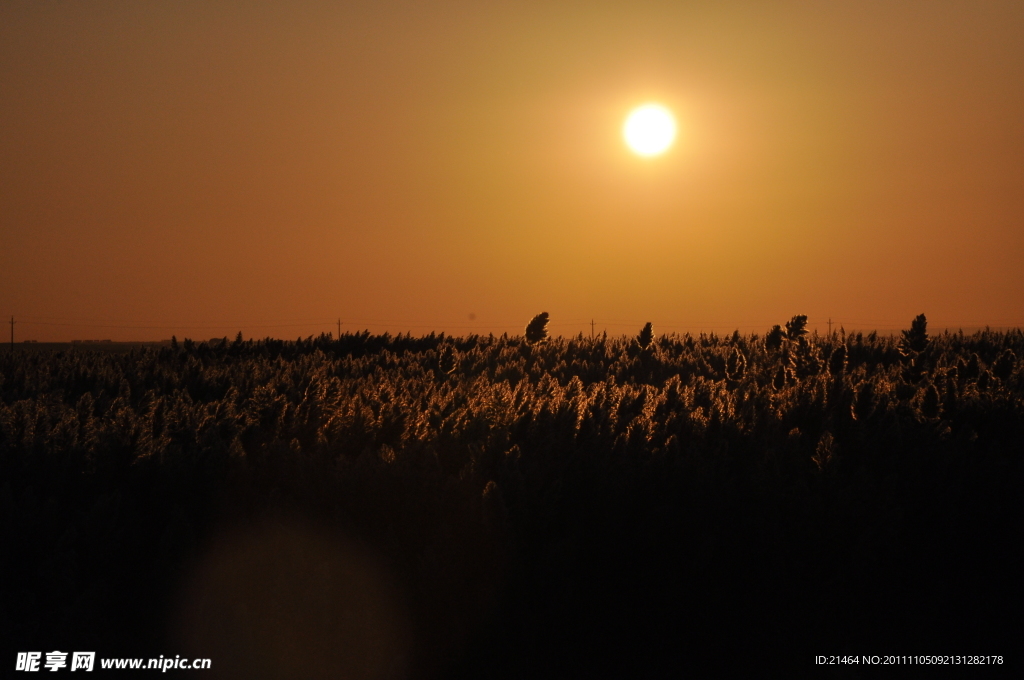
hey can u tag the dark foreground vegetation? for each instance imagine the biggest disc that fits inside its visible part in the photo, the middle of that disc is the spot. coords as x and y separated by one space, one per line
483 507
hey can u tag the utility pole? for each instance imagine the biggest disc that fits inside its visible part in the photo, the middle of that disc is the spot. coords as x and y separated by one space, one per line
339 328
830 327
12 333
591 329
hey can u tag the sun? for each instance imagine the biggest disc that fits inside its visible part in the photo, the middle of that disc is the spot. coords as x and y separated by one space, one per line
649 130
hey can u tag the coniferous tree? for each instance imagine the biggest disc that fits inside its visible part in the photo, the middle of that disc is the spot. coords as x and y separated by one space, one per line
973 367
1002 367
448 359
796 328
536 330
779 379
773 339
930 402
735 365
915 340
646 336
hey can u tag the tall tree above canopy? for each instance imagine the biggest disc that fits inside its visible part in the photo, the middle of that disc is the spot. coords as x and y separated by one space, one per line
796 328
536 330
915 340
646 336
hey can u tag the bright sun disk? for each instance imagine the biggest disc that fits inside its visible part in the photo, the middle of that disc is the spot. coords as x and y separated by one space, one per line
649 130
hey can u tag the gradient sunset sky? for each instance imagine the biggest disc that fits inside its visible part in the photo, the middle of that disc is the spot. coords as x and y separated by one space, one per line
199 168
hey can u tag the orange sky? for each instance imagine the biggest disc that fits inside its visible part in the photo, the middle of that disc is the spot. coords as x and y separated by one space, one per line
197 168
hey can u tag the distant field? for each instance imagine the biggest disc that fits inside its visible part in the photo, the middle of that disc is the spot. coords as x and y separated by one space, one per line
97 345
488 507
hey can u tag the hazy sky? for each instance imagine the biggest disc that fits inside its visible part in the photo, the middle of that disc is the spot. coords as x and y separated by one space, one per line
199 168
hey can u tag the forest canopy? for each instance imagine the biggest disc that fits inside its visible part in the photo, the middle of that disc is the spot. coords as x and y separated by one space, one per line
589 503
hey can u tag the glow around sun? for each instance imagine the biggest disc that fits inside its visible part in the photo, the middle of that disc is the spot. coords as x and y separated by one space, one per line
649 130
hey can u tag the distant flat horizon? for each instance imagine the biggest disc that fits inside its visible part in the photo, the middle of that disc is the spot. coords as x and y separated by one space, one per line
617 333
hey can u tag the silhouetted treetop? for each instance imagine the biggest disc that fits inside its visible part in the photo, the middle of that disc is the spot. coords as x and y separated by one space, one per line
536 330
796 328
736 365
915 340
448 359
646 336
773 338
